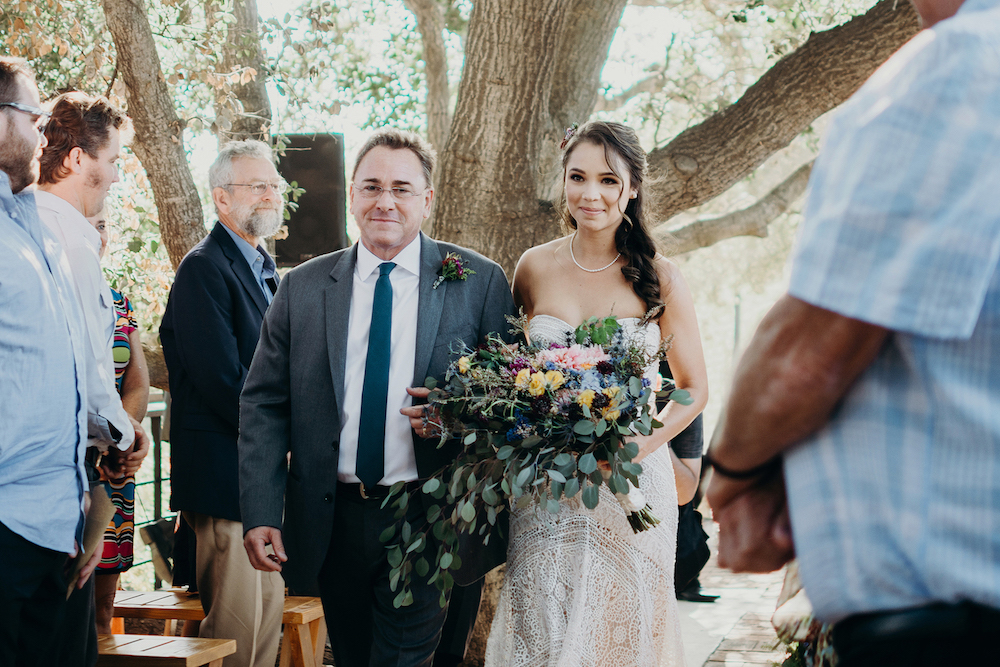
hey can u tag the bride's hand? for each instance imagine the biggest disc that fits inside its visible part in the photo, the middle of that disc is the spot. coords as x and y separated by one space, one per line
647 445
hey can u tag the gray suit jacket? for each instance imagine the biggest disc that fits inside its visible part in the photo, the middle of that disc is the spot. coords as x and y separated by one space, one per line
293 393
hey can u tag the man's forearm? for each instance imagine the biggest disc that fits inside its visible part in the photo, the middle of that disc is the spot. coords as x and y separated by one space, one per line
800 363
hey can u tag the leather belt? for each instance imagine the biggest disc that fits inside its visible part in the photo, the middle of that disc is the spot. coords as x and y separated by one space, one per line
936 621
358 491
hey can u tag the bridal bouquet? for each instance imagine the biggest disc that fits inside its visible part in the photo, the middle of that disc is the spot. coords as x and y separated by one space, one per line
538 423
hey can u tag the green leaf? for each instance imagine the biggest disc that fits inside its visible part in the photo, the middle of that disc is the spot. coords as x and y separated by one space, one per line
563 459
531 441
135 245
634 386
469 439
600 428
583 427
433 512
431 485
505 452
468 512
632 449
681 396
446 560
422 567
556 476
387 534
523 476
590 496
405 533
587 463
394 579
395 556
571 488
553 506
490 496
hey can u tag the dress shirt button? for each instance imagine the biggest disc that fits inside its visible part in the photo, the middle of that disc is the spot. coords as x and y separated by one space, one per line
328 497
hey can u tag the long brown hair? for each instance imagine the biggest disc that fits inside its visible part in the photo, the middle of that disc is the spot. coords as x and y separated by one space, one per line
632 237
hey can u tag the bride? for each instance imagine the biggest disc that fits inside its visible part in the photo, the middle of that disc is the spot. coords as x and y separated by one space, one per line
581 588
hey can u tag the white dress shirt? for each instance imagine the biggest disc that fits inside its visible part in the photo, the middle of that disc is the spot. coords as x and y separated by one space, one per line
82 246
400 462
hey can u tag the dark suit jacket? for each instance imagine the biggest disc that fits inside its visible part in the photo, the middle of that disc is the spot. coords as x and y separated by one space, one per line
296 384
209 332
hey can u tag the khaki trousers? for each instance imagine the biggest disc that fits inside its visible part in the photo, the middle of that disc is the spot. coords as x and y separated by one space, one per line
240 602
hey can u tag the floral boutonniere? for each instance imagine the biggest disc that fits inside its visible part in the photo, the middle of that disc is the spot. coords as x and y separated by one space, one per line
452 268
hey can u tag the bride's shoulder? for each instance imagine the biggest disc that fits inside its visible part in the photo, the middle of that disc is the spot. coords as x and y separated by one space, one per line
540 255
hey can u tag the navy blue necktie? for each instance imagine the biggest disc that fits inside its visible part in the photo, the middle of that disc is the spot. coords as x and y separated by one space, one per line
371 435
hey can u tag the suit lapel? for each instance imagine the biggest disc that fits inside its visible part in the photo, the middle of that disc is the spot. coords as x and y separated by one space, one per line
337 303
240 266
429 307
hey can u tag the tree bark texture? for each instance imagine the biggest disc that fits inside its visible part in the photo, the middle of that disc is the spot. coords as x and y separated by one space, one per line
430 22
751 221
242 49
531 68
159 141
707 159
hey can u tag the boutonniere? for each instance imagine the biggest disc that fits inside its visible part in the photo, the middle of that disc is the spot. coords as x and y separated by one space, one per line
452 268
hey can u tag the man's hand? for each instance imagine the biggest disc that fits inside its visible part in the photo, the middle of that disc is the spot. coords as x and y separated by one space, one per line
256 541
89 567
419 414
117 464
755 534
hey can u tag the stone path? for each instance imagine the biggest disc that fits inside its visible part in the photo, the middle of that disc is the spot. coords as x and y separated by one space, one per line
735 630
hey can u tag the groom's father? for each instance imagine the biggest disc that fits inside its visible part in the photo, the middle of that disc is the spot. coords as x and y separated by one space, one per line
209 333
346 335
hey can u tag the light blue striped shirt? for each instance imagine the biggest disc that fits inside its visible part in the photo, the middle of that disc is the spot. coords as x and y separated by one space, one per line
896 502
43 415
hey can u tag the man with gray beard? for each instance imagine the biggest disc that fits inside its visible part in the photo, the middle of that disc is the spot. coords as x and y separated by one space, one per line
209 332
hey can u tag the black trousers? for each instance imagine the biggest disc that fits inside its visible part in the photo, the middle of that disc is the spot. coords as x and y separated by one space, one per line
32 600
365 629
933 636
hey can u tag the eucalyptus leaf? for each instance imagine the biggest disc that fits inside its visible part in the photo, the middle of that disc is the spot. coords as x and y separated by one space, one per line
632 449
553 506
387 534
634 386
422 567
446 560
590 496
468 512
531 441
587 463
431 485
556 476
600 428
395 556
572 487
584 427
505 452
563 459
523 476
469 439
490 496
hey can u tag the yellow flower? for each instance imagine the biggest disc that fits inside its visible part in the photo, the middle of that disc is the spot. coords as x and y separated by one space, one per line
463 365
586 397
522 379
612 415
611 392
555 379
537 385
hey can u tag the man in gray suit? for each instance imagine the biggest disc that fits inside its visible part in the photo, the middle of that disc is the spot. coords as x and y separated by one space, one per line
346 338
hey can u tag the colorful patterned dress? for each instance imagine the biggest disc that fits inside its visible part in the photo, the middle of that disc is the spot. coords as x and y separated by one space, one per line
118 536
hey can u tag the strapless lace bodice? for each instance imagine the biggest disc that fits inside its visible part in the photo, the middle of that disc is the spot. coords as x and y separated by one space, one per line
581 588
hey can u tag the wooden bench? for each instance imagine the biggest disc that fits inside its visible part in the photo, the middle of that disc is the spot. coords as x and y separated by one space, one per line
305 632
152 651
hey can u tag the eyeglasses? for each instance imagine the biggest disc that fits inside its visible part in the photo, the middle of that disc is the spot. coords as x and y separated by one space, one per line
279 188
34 112
398 193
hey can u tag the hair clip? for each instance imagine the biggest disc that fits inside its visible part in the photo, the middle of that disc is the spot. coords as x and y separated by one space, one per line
570 131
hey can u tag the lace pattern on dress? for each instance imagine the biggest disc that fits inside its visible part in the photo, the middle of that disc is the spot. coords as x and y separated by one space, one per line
581 588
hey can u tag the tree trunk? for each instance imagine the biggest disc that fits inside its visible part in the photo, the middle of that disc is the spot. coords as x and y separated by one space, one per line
243 109
531 68
707 159
430 22
159 140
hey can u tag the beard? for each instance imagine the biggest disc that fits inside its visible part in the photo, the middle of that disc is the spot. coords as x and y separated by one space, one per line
259 221
17 158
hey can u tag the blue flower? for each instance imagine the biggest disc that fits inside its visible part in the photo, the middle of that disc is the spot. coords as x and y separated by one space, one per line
591 380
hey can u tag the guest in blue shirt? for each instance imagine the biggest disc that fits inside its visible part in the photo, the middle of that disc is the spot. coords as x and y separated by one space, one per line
43 418
878 376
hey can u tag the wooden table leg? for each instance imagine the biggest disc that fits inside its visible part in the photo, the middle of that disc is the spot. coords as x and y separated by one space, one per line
317 629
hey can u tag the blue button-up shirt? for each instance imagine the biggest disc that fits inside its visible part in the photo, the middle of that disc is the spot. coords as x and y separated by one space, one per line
261 264
43 417
896 502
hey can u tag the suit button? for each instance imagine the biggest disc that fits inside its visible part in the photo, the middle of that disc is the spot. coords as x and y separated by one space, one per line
328 497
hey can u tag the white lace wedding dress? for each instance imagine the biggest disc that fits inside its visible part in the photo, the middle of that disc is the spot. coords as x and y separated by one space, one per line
581 589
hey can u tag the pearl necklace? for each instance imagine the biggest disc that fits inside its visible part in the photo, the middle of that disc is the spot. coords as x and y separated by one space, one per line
582 268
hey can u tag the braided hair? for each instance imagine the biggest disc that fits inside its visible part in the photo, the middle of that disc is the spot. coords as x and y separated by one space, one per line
632 239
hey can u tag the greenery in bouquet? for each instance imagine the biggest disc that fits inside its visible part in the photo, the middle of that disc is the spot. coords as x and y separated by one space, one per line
538 424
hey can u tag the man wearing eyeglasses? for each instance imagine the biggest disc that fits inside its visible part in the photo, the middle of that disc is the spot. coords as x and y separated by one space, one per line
347 337
43 393
209 332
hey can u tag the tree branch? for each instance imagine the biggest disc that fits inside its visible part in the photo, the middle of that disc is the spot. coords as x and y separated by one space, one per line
653 83
430 22
751 221
159 138
707 159
156 364
242 49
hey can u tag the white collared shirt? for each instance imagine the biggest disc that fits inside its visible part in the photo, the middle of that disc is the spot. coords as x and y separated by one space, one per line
82 245
400 462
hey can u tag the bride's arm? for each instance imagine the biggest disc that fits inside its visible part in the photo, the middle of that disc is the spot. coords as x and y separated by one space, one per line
687 363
